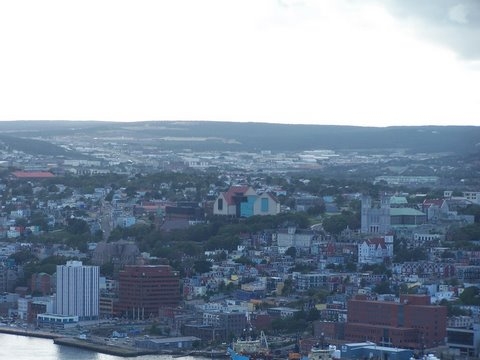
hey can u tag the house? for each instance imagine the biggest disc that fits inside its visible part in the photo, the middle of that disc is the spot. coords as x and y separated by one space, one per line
375 250
243 201
436 209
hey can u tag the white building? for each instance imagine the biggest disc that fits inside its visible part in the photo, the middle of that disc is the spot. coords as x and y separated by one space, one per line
78 290
243 201
376 250
292 237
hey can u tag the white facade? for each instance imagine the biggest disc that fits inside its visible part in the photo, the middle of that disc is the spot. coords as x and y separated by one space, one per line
473 196
78 290
294 238
266 205
374 251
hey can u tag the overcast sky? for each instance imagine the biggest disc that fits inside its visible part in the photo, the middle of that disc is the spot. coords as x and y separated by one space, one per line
344 62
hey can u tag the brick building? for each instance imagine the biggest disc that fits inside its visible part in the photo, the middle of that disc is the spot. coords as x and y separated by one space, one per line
41 283
412 323
145 289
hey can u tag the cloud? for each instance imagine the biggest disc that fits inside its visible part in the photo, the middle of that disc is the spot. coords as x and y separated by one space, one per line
452 23
458 13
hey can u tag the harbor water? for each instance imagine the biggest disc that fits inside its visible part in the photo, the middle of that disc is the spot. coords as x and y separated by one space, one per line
29 348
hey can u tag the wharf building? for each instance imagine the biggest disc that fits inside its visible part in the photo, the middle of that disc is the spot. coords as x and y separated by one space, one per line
144 291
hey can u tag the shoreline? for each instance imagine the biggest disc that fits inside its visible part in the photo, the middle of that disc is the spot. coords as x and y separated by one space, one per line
101 348
79 343
120 351
28 333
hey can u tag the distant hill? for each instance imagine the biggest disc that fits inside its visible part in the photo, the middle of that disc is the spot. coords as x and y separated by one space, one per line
205 135
36 147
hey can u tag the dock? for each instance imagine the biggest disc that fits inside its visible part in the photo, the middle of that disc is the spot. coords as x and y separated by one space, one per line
103 348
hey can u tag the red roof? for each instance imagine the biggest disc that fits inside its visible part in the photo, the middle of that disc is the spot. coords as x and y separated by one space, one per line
233 191
33 174
379 242
430 202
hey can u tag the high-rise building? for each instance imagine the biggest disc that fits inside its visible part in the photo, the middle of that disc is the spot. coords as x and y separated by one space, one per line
78 290
145 289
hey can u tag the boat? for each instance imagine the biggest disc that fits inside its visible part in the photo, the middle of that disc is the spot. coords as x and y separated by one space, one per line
318 352
250 348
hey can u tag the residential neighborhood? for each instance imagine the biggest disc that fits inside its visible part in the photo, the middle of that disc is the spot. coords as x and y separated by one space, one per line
200 247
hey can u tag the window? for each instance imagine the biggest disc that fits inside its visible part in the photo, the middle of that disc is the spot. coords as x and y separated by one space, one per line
264 205
220 204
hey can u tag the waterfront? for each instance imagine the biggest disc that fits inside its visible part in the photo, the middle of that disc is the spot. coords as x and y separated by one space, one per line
27 348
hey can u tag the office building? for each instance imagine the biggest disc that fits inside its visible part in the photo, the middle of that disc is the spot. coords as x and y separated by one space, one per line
78 290
146 289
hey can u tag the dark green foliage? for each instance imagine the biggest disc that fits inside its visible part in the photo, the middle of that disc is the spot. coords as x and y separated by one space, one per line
22 257
303 268
291 251
202 266
472 209
470 296
402 253
454 309
335 224
383 287
244 260
77 226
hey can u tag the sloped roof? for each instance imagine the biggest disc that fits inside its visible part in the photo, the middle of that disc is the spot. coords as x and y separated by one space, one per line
378 242
405 212
234 191
430 202
398 200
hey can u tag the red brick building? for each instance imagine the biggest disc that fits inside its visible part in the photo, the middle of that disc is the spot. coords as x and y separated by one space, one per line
41 283
146 289
412 323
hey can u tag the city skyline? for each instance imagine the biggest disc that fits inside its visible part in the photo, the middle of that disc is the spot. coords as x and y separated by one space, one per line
349 62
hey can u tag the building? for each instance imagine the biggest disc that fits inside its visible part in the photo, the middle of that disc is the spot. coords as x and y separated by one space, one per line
41 283
225 323
243 201
301 240
464 341
376 250
78 289
379 217
169 343
375 217
436 209
55 321
407 180
32 175
411 323
145 289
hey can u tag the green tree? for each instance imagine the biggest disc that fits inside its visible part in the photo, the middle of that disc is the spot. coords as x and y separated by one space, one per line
77 226
202 266
470 296
291 251
383 287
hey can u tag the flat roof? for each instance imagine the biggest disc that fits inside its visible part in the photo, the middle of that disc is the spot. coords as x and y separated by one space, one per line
33 174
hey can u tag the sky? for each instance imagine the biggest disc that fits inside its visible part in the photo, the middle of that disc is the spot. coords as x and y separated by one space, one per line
342 62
